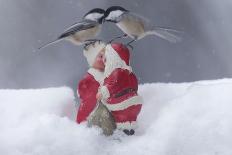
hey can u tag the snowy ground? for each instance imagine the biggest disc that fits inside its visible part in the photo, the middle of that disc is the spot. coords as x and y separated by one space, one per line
176 119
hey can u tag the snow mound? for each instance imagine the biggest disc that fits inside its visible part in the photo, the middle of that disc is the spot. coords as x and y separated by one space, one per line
176 119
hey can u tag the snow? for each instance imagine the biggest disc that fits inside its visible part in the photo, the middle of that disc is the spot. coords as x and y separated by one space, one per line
176 119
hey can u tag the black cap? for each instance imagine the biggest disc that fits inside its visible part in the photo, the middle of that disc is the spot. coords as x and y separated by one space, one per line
97 10
114 8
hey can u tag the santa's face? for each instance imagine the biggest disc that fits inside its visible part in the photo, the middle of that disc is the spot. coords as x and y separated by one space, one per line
99 61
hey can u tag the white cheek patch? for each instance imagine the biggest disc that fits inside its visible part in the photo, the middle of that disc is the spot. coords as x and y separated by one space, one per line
114 14
94 16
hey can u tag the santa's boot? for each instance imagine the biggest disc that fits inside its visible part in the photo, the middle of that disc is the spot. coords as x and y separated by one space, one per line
129 132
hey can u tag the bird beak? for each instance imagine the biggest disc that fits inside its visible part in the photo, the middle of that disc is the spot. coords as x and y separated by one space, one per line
106 19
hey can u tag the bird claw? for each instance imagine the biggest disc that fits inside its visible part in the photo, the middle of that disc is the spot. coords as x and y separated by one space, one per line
123 36
86 47
130 46
91 42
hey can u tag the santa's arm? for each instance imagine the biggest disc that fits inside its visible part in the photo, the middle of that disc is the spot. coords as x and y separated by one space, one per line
109 84
106 89
104 93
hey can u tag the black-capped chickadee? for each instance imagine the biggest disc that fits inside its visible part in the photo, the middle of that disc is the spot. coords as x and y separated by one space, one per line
136 26
84 31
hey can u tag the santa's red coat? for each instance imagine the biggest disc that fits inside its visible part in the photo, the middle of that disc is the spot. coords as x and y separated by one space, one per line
87 90
120 96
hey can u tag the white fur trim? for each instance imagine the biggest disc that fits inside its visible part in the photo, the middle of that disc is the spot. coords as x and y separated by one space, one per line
105 92
92 51
127 125
98 75
78 95
135 100
113 61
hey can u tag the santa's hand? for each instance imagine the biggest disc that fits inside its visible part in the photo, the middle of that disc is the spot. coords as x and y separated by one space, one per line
99 96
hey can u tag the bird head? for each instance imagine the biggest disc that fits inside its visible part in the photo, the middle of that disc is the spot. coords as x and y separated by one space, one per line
96 14
113 12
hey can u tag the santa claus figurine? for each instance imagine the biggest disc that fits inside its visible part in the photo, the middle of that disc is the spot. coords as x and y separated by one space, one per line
89 85
119 89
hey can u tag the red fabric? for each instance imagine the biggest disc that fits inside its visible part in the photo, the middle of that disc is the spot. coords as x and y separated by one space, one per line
119 80
122 51
130 114
87 89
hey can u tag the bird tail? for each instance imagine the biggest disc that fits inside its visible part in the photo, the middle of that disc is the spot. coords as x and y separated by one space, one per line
166 34
50 43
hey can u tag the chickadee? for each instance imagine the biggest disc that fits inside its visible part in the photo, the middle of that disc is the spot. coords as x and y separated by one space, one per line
83 31
136 26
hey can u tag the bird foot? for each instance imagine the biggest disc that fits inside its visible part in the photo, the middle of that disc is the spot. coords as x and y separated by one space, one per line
91 42
128 45
122 36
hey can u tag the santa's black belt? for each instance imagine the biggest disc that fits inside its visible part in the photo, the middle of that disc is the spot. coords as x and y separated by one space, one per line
124 92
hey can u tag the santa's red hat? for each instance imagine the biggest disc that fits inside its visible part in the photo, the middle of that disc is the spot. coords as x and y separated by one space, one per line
92 51
122 51
117 56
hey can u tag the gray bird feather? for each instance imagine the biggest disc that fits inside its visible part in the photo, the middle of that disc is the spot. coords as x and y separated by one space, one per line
149 28
164 34
80 26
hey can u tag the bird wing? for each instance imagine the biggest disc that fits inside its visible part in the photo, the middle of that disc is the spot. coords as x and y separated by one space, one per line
149 25
162 32
83 25
140 18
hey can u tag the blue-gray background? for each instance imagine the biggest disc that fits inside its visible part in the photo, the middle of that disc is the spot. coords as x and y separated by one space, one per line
205 52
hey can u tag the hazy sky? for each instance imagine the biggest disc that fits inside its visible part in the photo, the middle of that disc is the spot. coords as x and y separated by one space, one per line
205 52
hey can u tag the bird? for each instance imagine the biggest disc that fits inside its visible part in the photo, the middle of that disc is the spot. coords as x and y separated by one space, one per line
136 26
83 31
